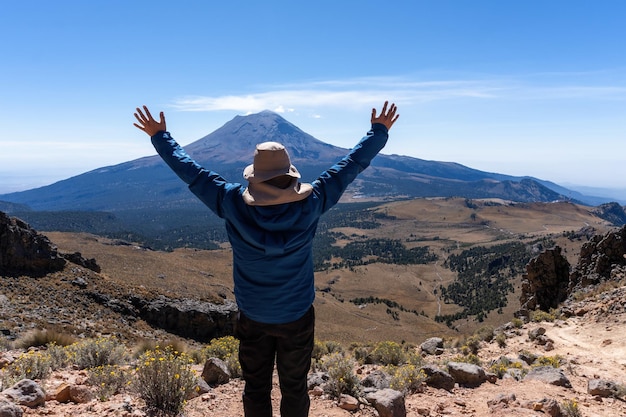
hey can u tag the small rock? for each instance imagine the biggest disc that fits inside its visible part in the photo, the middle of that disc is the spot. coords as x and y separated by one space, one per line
215 372
80 394
348 403
433 346
438 378
549 375
62 393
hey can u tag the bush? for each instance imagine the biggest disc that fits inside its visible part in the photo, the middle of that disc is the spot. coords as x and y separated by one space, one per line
342 379
30 365
517 323
59 356
501 340
553 361
360 352
569 408
323 348
501 366
146 345
164 379
469 358
538 316
39 338
407 378
108 380
227 349
471 346
413 357
485 333
97 352
388 353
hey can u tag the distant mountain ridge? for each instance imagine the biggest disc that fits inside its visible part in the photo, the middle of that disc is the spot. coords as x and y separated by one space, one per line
147 183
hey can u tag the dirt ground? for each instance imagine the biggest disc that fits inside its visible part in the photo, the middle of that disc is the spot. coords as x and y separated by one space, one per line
591 345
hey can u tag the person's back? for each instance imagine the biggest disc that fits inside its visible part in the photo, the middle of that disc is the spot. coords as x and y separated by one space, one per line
271 223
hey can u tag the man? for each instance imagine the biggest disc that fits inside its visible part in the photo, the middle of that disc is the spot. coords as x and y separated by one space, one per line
270 223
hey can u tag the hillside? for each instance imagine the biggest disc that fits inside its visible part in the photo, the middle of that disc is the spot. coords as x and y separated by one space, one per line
115 288
406 295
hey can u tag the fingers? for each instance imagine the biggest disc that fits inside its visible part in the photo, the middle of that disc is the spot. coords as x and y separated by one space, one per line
148 113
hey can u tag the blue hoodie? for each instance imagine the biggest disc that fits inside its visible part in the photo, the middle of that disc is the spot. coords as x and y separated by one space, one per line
272 245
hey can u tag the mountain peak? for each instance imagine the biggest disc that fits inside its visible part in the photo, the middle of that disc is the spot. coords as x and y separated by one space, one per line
236 140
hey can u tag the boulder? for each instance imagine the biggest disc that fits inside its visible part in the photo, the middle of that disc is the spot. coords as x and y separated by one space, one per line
598 258
467 374
545 283
549 375
377 380
388 402
438 378
9 409
23 251
602 388
194 319
215 372
26 392
433 346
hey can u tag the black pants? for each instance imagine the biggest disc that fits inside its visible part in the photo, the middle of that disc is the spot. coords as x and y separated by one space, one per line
291 344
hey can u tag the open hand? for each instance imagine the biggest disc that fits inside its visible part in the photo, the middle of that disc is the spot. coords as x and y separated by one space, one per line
147 122
388 118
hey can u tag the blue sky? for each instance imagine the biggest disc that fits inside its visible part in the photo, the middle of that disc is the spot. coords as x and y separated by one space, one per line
517 87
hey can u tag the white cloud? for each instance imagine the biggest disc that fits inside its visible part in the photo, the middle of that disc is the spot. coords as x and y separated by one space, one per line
360 93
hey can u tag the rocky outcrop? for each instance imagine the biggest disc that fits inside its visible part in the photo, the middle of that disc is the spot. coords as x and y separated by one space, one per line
601 259
198 320
611 212
23 251
546 281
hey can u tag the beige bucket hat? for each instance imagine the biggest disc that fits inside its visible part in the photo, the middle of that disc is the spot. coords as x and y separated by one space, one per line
271 160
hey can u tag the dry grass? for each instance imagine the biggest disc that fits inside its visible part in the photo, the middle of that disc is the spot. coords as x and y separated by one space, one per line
445 225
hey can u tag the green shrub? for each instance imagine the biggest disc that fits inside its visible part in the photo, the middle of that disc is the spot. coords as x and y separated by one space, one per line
413 357
221 348
538 316
342 379
553 361
108 380
323 348
469 358
227 349
501 340
501 366
569 408
360 352
471 346
388 353
92 353
485 333
151 344
407 378
517 323
164 379
33 364
59 356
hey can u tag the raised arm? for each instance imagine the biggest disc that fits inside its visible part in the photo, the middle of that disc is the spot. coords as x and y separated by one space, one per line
387 118
147 122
